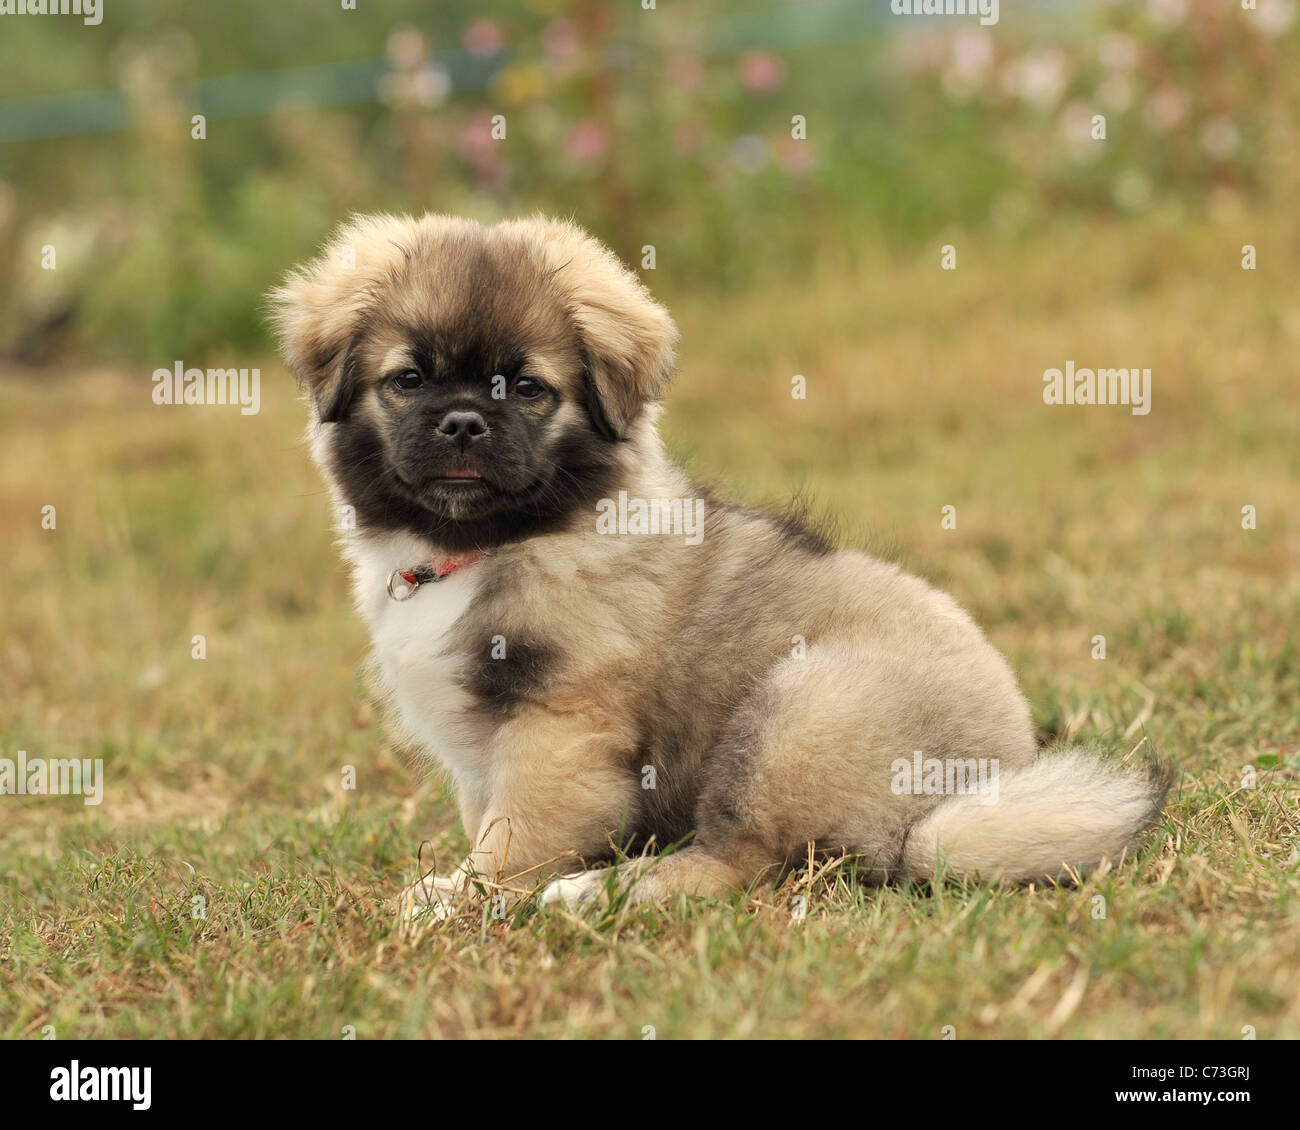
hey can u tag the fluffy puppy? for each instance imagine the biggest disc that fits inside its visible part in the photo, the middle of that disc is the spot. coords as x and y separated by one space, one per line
598 672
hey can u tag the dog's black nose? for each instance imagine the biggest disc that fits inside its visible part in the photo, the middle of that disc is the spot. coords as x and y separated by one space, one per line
462 427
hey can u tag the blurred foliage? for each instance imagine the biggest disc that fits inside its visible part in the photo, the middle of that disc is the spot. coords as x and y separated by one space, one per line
670 127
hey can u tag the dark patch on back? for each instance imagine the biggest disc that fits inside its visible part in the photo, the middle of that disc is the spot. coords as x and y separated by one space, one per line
520 674
795 522
801 528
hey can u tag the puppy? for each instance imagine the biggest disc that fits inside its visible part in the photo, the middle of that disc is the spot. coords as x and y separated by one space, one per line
608 661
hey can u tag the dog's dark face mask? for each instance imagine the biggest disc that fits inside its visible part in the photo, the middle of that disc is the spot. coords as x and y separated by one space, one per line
475 384
468 416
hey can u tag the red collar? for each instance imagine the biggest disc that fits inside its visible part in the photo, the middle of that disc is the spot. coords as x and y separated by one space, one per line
402 583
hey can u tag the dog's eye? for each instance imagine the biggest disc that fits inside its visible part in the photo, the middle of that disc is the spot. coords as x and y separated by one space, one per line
529 388
407 380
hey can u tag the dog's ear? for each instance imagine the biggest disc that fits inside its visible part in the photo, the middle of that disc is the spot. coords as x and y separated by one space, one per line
627 337
323 305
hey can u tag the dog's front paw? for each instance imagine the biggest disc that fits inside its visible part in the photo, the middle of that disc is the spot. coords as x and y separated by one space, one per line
573 891
431 899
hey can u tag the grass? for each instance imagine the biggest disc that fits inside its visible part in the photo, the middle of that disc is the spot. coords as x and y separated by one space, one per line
229 886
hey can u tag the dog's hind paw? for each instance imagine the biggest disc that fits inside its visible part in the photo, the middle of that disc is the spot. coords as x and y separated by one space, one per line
573 891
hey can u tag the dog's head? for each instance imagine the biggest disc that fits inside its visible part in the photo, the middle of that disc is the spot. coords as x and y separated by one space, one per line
473 383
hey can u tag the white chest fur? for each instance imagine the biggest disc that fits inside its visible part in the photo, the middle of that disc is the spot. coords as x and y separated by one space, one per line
411 639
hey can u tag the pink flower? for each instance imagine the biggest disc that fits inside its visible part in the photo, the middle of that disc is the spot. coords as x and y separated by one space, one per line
972 54
476 141
1042 76
794 156
1118 52
972 60
686 73
406 47
1167 13
760 71
483 38
587 141
430 85
688 138
1275 16
491 173
1167 108
560 42
424 88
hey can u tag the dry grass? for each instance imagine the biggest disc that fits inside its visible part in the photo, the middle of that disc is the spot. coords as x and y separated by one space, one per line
223 775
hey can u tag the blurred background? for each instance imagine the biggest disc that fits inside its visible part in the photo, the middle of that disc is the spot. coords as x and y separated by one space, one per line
670 127
173 604
797 171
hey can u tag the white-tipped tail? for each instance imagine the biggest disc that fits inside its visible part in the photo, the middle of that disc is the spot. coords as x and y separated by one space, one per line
1067 809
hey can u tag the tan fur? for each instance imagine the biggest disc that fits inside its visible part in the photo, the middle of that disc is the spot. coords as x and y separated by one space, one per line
770 684
634 336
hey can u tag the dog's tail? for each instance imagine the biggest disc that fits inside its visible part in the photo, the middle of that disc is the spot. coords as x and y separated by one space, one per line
1062 813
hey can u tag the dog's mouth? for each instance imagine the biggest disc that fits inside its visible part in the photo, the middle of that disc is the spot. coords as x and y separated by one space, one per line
454 478
462 493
